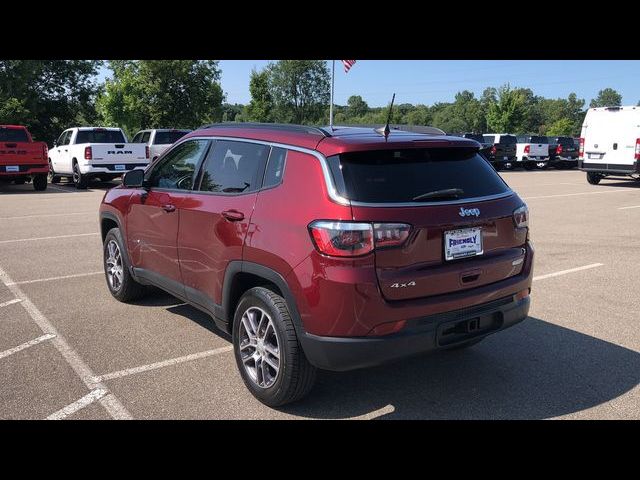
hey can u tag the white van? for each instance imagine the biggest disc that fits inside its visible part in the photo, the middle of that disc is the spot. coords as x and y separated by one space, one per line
610 143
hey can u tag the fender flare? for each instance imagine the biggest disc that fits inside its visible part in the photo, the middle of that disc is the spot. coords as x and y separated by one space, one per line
241 266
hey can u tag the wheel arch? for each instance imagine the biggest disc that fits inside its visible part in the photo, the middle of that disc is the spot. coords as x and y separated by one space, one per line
241 276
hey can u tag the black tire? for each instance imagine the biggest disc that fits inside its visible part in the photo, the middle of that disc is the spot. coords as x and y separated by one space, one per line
40 182
529 166
296 375
79 180
53 178
462 346
129 289
594 178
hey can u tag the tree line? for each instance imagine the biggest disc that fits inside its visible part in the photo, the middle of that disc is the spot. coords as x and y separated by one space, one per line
49 96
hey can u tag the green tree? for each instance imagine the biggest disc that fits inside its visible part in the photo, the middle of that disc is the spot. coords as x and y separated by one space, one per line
562 127
48 96
508 113
261 106
607 98
161 93
356 106
300 90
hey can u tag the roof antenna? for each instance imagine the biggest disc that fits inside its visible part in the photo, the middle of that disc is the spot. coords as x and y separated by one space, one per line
386 130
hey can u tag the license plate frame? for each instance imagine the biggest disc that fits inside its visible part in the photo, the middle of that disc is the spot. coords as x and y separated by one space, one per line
463 249
120 168
12 168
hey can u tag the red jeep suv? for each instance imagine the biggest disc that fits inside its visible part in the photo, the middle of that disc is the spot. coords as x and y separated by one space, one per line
323 248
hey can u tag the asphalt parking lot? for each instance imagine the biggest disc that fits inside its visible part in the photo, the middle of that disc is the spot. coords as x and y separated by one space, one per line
69 350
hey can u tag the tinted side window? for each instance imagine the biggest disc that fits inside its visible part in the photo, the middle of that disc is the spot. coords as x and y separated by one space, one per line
178 167
275 167
145 137
61 139
136 139
234 167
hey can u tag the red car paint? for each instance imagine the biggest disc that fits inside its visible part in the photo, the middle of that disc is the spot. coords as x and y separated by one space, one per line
190 238
28 156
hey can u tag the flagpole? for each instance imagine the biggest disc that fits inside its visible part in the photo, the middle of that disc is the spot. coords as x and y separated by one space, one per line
333 73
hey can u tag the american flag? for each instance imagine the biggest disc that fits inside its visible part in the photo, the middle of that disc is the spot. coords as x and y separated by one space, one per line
348 64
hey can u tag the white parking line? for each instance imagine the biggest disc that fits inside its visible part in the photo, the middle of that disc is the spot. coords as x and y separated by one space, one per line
376 413
564 272
48 238
113 406
63 277
164 363
88 399
579 193
10 302
28 344
627 208
47 216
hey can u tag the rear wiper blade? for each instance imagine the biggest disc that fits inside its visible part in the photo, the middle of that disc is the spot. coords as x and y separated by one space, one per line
446 193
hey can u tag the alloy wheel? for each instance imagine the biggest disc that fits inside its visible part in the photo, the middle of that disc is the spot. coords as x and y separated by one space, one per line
259 347
114 265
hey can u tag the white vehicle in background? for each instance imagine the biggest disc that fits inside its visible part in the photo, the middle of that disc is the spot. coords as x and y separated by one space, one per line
610 143
158 140
532 151
86 153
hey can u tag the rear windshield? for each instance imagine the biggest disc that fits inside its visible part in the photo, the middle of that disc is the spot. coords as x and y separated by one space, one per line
564 140
164 138
398 176
538 139
508 140
100 136
523 138
13 135
489 138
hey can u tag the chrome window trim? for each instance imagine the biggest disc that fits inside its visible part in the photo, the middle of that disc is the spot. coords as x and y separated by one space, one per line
333 193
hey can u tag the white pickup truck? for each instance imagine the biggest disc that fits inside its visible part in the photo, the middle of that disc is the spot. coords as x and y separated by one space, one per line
158 139
85 153
532 151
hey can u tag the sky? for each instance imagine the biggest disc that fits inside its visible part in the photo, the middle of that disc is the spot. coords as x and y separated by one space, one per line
431 81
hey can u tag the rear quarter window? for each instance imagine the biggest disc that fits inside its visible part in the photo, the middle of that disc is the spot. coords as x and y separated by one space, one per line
398 176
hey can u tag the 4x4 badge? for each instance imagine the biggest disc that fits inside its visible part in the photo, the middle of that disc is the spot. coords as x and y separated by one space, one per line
467 212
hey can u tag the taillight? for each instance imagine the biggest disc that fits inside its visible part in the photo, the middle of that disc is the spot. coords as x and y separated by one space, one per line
88 154
521 217
146 151
558 149
352 239
637 155
581 151
45 151
527 148
390 234
493 150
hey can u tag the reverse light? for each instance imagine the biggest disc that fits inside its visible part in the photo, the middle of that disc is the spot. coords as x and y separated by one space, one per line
88 153
581 151
521 217
353 239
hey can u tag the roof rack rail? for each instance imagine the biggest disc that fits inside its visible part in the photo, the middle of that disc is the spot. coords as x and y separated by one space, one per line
424 129
285 127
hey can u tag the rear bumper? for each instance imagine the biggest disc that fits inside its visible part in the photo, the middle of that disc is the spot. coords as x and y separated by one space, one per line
110 169
609 168
24 170
421 335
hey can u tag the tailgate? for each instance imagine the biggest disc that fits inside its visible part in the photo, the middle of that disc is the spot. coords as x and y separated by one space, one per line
22 153
419 269
118 153
538 150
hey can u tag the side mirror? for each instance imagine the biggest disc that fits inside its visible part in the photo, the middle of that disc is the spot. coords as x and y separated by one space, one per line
133 178
55 144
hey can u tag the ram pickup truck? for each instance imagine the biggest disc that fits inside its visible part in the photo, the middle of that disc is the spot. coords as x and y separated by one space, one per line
532 151
158 140
22 159
86 153
566 152
502 150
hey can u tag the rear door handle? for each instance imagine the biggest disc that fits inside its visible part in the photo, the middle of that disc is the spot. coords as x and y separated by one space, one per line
169 208
233 215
